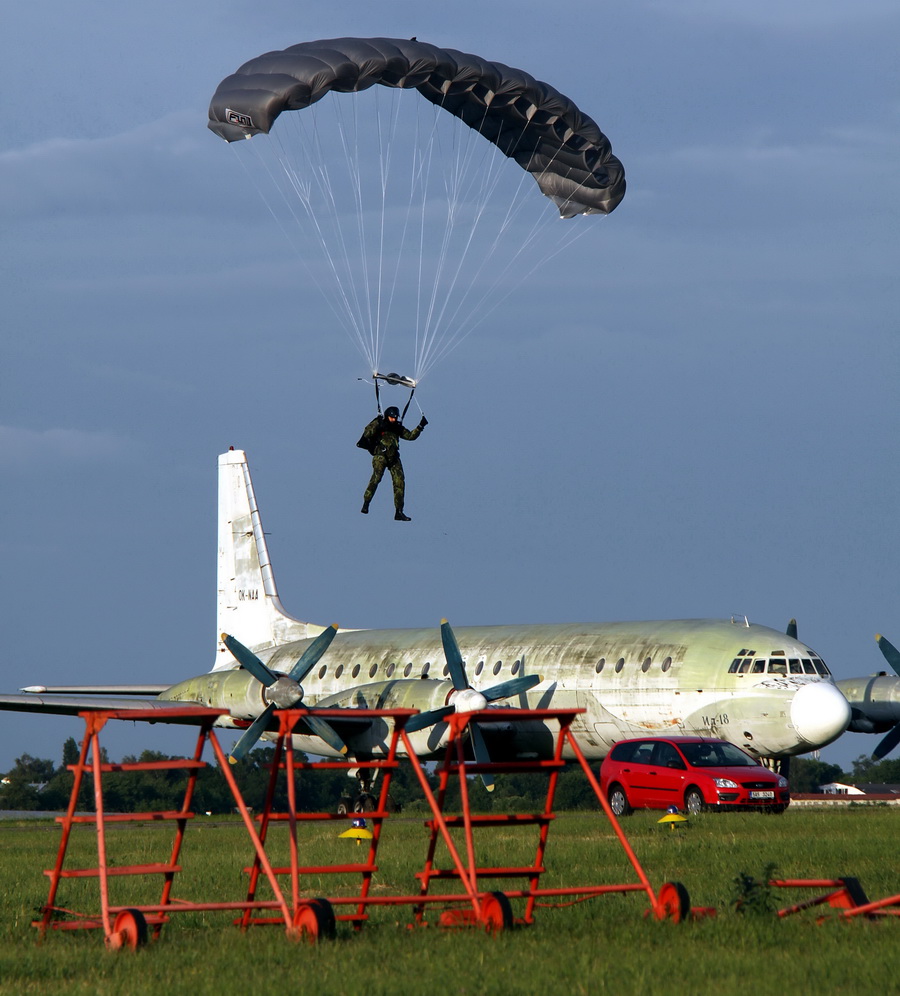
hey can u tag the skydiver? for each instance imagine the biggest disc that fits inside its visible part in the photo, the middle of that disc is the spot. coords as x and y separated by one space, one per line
381 437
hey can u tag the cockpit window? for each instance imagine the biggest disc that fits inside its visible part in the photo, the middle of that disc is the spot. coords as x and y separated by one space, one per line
820 666
808 666
759 666
777 666
794 666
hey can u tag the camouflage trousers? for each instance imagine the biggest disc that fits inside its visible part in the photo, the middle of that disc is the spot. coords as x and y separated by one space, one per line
379 465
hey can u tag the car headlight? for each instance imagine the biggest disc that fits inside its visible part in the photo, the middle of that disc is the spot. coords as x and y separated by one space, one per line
725 783
782 782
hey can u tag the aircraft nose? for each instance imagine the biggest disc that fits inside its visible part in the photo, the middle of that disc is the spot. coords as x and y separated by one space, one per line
819 713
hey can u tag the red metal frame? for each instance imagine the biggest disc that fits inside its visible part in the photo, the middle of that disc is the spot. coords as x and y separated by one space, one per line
467 870
112 917
475 904
844 894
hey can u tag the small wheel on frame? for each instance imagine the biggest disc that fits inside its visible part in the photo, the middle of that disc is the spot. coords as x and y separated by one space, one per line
129 931
672 902
496 913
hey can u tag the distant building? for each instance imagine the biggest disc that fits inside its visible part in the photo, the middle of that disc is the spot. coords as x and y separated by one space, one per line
838 788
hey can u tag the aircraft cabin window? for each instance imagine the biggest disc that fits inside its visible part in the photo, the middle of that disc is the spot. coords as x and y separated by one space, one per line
808 666
600 665
759 666
645 667
479 667
777 667
446 670
390 669
373 670
407 671
322 671
425 668
795 666
355 670
339 670
667 663
620 663
497 667
516 667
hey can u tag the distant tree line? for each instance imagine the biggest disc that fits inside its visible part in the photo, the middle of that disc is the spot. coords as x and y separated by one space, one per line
37 784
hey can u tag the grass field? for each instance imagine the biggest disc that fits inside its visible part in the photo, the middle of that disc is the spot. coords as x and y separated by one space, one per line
602 945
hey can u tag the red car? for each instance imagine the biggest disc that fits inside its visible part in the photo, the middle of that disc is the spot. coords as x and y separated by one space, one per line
692 773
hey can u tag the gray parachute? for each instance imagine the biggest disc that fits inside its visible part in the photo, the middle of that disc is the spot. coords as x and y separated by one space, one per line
529 121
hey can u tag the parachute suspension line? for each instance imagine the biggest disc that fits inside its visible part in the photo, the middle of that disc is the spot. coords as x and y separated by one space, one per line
303 181
343 313
460 184
477 314
386 146
459 187
352 160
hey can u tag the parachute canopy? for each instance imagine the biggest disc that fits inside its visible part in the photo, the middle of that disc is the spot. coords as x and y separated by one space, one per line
529 121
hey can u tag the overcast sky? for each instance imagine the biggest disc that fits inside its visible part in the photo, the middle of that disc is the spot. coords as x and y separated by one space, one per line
691 414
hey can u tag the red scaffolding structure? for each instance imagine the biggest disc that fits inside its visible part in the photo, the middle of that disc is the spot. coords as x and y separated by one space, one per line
468 901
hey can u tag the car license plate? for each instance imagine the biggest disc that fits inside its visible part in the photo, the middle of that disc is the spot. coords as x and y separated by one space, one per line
762 795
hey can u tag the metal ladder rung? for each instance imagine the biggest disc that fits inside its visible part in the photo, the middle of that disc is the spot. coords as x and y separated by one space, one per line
157 869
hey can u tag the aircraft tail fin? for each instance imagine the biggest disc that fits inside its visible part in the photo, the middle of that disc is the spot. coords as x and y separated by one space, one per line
248 606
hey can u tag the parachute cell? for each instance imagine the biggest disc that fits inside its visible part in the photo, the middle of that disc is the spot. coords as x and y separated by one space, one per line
528 120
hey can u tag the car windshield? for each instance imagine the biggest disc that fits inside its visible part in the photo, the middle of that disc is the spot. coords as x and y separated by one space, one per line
720 755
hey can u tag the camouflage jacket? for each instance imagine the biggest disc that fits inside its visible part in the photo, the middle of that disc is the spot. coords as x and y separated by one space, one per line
383 440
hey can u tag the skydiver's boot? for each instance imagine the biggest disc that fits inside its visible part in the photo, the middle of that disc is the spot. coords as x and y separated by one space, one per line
365 508
400 517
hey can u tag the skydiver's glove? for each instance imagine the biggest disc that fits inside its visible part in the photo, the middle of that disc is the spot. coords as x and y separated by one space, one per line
423 422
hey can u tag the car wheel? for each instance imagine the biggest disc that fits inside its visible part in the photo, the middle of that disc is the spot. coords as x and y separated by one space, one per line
693 801
777 809
618 801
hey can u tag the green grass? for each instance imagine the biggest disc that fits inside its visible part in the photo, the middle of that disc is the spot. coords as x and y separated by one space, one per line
603 945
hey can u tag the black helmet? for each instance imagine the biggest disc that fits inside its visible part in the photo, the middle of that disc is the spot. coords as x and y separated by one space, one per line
392 412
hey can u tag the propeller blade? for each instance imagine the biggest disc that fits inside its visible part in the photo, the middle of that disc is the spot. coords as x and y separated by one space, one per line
888 743
325 731
791 630
247 659
313 652
253 732
514 686
455 664
891 653
429 718
479 749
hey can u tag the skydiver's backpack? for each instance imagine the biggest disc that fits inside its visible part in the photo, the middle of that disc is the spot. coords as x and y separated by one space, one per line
368 442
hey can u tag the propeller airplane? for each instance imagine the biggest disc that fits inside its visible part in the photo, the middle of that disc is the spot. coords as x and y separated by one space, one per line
761 689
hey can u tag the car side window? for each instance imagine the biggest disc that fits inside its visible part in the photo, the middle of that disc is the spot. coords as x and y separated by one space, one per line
643 755
665 756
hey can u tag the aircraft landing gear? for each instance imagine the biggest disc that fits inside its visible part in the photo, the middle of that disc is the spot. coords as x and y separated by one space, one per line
365 800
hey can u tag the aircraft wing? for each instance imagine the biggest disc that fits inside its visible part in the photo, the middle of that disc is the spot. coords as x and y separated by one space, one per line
62 705
95 689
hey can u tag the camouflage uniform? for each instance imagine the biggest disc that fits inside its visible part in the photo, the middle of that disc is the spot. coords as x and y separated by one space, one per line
384 445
